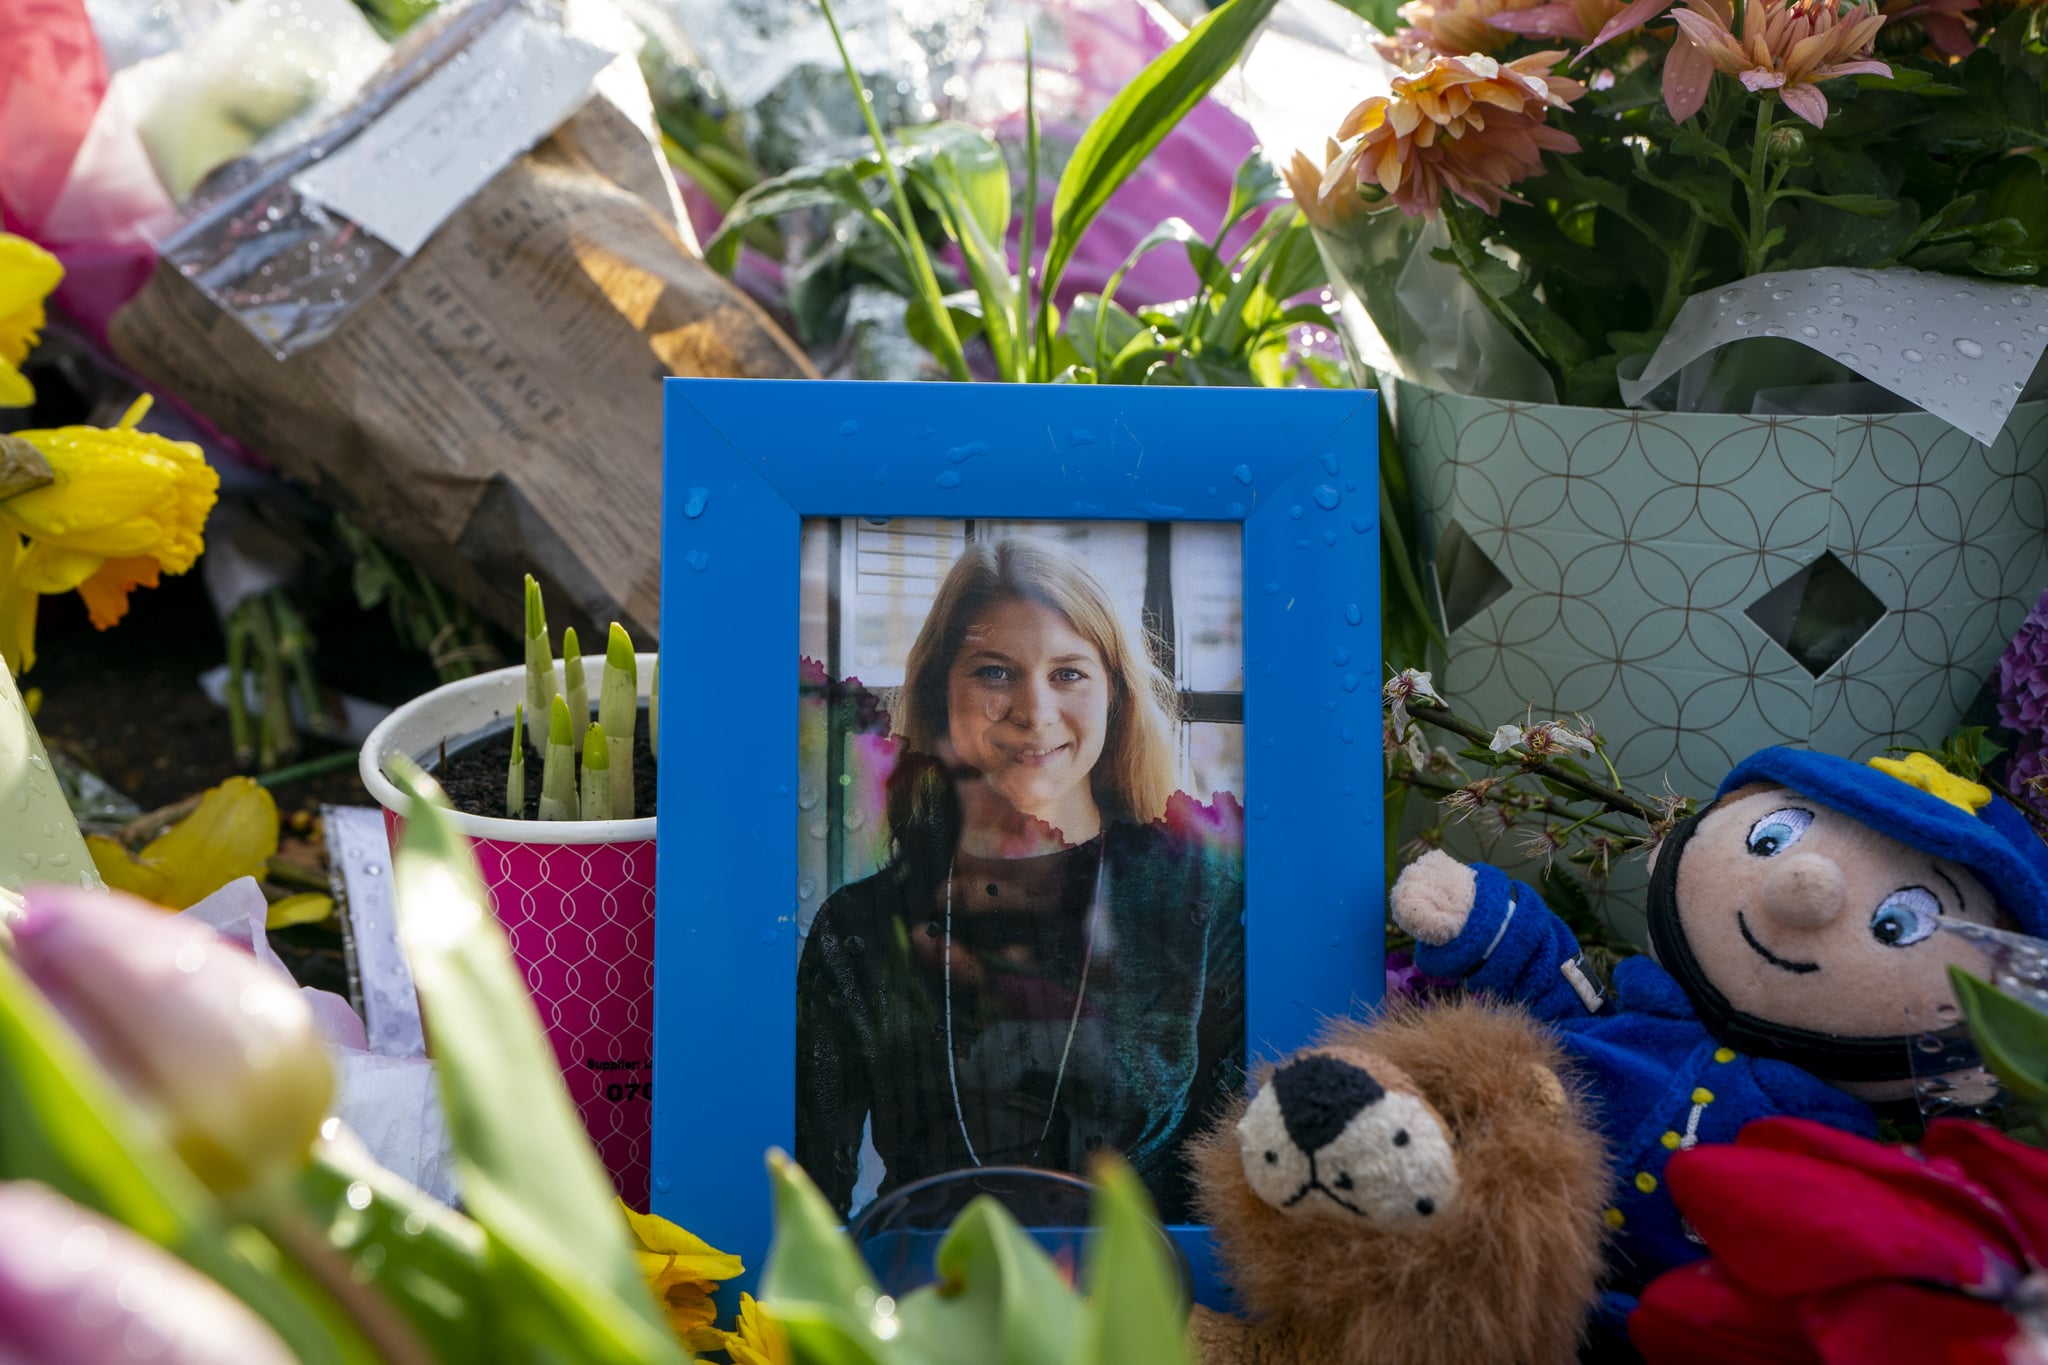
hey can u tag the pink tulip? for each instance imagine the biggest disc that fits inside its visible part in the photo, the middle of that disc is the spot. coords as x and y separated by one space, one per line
75 1288
220 1049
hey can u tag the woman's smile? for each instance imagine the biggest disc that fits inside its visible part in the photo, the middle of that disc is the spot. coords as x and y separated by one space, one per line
1033 757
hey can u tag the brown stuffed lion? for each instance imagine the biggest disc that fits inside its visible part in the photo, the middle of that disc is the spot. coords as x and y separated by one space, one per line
1415 1190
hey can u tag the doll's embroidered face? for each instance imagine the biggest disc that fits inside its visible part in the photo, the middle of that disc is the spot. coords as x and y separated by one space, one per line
1805 917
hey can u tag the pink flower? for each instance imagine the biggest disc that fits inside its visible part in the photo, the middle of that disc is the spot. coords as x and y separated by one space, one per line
75 1286
1592 22
1454 28
223 1050
1469 125
1948 31
1786 45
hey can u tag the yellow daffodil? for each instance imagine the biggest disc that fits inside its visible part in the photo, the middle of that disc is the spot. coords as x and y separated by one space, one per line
27 275
683 1272
232 833
120 507
760 1340
17 606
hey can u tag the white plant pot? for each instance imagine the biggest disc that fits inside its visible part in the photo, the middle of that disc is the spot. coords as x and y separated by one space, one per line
576 898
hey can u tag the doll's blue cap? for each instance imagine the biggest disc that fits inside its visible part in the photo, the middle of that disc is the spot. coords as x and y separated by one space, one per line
1993 840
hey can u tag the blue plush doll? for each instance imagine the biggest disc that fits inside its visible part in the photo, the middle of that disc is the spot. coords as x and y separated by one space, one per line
1794 946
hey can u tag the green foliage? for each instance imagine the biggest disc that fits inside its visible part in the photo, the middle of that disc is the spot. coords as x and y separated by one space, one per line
999 1298
955 186
446 631
1966 753
2011 1035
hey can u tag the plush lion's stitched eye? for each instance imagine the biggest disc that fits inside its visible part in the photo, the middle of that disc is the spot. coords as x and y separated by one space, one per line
1905 917
1778 831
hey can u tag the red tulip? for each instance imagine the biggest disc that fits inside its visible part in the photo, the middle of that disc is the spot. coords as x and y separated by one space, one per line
1835 1249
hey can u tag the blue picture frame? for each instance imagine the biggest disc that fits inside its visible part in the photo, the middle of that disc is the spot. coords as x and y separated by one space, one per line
746 461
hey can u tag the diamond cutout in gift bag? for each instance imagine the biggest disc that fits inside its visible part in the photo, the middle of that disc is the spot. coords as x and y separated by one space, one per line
1467 582
1818 614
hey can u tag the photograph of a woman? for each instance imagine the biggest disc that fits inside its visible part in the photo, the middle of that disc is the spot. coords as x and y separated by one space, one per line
1048 961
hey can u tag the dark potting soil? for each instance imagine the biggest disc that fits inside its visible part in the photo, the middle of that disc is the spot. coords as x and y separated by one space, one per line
474 776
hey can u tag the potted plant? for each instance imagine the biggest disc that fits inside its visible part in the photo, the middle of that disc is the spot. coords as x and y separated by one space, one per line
571 880
1552 201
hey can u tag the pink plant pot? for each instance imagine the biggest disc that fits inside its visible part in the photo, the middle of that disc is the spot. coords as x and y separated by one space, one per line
576 898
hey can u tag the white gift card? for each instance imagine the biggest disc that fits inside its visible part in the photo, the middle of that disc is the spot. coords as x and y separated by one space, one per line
434 148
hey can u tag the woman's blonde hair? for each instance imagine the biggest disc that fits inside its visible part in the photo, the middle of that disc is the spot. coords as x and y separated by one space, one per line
1139 768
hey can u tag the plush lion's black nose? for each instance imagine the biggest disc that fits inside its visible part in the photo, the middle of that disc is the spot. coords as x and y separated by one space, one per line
1318 1095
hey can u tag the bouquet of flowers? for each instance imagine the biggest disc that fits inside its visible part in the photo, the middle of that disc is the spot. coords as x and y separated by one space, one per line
1587 166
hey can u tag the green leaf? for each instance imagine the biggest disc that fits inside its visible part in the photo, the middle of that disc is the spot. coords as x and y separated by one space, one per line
807 187
811 1260
820 1336
429 1261
1092 319
1501 287
1255 183
1009 1278
971 162
1295 266
1133 1312
1863 205
1137 362
2011 1034
962 172
1690 141
526 1169
1136 121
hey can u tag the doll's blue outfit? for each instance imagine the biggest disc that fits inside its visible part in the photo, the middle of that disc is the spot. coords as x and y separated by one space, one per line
1658 1081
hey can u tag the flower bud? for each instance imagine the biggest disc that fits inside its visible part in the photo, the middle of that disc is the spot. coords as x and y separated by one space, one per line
1785 144
77 1287
221 1048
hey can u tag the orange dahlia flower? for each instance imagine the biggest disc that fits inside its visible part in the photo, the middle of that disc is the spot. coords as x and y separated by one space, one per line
1468 124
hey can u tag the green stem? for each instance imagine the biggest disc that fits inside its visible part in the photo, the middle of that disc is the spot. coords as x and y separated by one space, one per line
240 731
1027 359
1759 197
373 1314
1606 796
312 767
1550 805
1680 274
295 644
914 253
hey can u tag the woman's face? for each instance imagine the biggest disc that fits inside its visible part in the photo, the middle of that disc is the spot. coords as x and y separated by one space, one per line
1027 706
